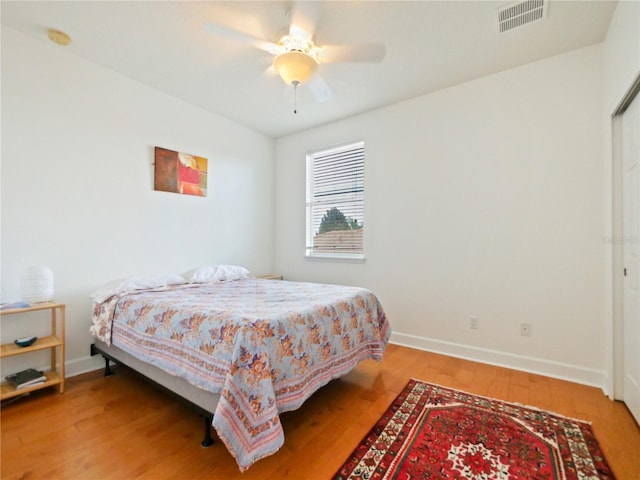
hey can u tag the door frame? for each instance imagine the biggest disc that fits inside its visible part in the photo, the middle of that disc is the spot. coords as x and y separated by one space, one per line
616 241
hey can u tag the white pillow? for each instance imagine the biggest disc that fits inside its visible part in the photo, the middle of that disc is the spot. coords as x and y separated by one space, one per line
122 285
215 273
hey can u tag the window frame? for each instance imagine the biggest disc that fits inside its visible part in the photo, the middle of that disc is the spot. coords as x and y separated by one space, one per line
309 203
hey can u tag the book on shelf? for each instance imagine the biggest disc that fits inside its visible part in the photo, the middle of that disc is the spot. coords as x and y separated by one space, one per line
26 378
29 384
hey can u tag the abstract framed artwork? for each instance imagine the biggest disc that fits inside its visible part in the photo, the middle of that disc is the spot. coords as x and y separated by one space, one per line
179 172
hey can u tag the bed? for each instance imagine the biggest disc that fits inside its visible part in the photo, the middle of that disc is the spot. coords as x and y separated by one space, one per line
243 350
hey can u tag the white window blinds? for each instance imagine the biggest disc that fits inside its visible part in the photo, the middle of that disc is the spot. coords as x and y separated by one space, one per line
335 202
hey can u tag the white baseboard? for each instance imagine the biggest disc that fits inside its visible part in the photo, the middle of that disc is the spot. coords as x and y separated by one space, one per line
83 365
563 371
549 368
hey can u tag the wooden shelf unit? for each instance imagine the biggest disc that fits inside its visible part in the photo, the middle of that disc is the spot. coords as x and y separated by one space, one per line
54 342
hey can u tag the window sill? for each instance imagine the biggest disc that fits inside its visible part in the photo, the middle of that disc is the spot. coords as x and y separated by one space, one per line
330 257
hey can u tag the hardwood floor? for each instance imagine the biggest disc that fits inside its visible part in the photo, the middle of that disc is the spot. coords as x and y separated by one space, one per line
123 428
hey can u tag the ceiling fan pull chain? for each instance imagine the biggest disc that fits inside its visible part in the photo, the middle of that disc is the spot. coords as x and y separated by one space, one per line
295 97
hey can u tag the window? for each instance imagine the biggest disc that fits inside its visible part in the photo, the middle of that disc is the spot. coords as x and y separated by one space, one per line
335 202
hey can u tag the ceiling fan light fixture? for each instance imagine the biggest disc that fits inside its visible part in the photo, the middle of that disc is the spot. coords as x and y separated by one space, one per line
295 68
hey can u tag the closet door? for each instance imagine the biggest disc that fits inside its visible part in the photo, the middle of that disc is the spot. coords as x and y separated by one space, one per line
631 252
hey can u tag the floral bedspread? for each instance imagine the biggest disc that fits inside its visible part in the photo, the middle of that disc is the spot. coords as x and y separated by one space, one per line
265 346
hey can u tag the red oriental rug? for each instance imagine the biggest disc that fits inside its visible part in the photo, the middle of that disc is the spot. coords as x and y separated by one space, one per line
433 432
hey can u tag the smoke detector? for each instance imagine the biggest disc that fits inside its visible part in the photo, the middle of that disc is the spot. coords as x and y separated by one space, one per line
521 13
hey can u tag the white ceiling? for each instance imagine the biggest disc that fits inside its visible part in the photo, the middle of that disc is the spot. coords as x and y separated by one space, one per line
430 45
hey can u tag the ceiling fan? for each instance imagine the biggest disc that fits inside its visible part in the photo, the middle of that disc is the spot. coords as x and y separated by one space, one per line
296 54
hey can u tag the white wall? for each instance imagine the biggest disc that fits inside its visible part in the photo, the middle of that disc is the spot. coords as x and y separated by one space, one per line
621 66
482 199
77 186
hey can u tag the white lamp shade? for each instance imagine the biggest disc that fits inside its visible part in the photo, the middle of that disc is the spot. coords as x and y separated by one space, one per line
37 284
295 67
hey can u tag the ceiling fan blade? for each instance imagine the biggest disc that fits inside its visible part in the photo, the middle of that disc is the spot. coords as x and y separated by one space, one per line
304 17
362 52
320 89
241 37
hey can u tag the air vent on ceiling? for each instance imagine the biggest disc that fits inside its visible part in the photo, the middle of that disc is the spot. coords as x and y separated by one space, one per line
521 13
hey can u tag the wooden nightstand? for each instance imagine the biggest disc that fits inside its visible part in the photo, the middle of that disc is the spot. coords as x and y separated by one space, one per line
271 277
55 342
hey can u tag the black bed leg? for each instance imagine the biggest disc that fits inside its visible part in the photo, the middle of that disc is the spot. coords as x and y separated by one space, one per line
207 441
107 368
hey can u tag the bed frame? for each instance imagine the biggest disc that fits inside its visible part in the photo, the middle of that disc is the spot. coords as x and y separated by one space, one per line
201 401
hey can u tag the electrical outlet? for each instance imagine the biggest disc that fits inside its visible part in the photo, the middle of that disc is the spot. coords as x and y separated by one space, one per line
525 329
473 322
